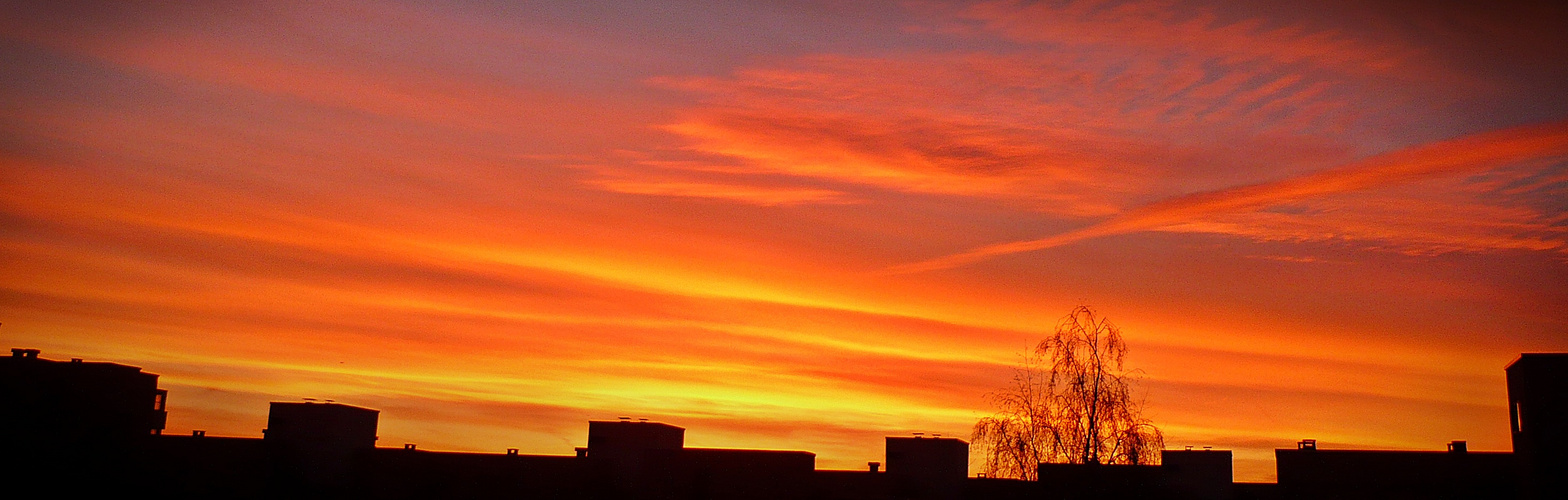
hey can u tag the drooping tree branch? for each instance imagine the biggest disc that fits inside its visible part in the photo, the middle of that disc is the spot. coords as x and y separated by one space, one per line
1069 401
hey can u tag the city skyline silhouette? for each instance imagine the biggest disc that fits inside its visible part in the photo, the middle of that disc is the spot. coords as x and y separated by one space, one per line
97 429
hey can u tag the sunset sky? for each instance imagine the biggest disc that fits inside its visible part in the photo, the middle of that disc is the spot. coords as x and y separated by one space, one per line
793 225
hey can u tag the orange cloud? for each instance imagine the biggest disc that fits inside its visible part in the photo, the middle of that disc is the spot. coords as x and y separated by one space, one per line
1461 155
744 194
1026 128
671 182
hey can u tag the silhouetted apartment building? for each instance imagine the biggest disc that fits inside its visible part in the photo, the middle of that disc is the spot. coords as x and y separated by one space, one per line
315 446
1310 472
73 425
866 484
202 466
927 467
1202 474
641 459
1538 414
321 425
1098 481
76 402
918 467
620 450
412 473
737 473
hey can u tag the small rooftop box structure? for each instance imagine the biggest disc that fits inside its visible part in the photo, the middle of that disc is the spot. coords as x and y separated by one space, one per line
328 424
627 436
314 446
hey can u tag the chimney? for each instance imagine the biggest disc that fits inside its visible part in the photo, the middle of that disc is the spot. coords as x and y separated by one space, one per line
875 466
582 452
408 446
24 353
1307 444
1457 447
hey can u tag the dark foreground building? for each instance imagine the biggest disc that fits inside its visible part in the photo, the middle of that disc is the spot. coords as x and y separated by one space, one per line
623 459
76 403
1538 411
931 468
78 429
1182 475
74 426
1308 472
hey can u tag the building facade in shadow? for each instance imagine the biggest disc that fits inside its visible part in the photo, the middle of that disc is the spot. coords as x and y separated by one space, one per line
1538 415
315 446
1309 472
931 468
74 426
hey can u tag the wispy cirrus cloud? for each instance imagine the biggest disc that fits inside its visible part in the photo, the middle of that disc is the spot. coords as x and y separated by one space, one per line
1222 32
1473 153
755 195
1400 220
1092 107
703 180
1075 137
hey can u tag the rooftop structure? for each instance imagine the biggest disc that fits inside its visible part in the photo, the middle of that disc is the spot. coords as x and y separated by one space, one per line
314 446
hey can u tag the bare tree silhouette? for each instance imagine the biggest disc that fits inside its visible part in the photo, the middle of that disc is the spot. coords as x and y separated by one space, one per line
1069 401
